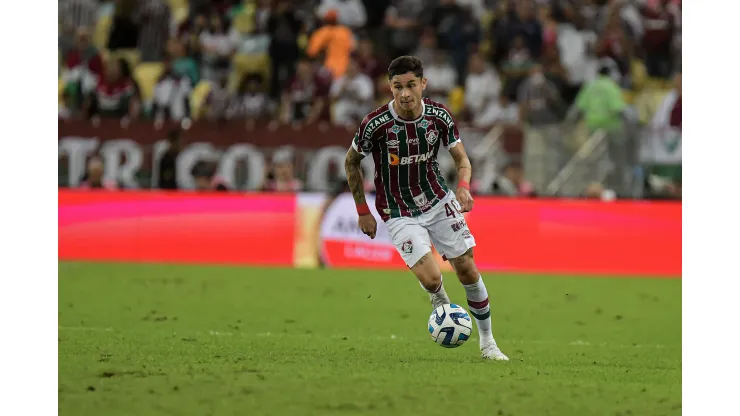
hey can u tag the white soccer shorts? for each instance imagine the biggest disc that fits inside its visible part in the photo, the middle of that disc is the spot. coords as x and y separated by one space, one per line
442 226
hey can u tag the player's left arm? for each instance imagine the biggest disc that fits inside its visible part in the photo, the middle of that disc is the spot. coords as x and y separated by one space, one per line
464 173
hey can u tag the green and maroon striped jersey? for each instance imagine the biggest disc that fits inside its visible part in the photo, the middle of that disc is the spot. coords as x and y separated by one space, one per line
407 178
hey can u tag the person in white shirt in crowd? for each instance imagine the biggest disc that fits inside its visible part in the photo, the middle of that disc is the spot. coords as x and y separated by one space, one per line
171 98
483 99
441 77
353 95
217 49
351 13
251 104
219 100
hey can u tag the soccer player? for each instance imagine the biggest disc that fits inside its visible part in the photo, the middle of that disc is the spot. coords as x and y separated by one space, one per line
412 198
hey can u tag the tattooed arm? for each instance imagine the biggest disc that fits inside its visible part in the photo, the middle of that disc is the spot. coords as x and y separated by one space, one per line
366 220
464 173
354 175
462 163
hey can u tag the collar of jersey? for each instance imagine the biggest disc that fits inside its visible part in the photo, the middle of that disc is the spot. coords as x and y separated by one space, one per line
393 112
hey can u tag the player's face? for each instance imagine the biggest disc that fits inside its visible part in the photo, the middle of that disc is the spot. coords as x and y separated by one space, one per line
407 89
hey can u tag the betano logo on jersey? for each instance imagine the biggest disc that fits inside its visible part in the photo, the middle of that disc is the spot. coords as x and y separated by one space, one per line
394 160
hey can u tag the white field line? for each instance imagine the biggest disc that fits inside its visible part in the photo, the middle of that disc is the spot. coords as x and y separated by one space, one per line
577 343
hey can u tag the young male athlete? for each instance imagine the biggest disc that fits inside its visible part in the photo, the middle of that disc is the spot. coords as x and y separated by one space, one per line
412 198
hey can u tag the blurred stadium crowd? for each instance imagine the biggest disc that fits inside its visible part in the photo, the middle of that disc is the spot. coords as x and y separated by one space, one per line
573 75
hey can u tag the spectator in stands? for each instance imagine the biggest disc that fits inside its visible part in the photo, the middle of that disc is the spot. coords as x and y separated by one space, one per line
168 163
427 46
217 49
83 65
517 21
586 16
284 27
601 103
219 100
182 64
251 103
190 30
664 179
517 66
603 108
352 94
482 91
441 77
370 64
305 99
335 41
281 177
153 19
615 44
189 34
557 74
549 28
540 102
375 10
669 113
75 15
351 13
541 110
171 96
115 94
93 178
124 32
383 93
458 32
658 19
402 21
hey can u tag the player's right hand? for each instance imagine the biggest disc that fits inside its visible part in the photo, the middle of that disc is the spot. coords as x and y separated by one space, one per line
368 225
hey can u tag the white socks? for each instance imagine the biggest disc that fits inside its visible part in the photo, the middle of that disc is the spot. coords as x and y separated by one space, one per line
479 308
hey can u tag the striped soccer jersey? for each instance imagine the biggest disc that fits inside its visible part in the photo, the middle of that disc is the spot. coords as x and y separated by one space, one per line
407 177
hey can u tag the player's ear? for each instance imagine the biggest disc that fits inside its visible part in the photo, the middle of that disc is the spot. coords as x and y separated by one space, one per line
423 83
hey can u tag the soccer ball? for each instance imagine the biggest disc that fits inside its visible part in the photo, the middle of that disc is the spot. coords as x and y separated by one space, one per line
450 325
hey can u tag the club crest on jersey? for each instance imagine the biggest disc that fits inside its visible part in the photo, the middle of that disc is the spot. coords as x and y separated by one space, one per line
395 129
407 247
421 200
432 136
424 124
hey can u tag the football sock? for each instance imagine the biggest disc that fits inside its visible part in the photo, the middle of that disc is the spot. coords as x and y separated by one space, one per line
438 293
479 308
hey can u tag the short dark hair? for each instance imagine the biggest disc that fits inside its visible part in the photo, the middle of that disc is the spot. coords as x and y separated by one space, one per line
405 64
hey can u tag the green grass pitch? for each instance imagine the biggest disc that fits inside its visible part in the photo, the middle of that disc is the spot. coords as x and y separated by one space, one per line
186 340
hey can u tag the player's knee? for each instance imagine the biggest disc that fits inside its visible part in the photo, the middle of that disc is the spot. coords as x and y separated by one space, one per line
430 282
427 271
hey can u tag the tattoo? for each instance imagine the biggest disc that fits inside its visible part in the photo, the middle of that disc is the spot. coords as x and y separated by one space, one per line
462 162
423 260
354 175
462 259
464 166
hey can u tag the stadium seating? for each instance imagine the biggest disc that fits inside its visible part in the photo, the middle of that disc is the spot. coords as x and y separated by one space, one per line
146 75
198 99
